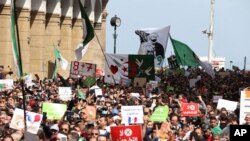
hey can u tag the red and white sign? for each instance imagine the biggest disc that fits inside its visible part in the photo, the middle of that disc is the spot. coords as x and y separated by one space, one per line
82 69
189 109
126 133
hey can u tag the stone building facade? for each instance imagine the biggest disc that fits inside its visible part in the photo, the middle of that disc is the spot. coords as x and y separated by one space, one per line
43 24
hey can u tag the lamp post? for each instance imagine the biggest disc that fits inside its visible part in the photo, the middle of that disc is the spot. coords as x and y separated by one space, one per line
231 64
115 22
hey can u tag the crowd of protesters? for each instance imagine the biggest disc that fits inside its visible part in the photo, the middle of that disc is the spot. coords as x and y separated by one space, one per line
174 88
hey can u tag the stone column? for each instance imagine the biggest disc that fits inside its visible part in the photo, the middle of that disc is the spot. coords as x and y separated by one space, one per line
6 58
52 30
23 15
66 33
37 36
77 28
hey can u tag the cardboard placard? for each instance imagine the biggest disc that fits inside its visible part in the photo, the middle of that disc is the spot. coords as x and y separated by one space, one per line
54 110
82 69
160 114
140 81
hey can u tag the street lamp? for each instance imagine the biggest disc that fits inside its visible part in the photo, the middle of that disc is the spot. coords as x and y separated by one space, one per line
231 64
115 22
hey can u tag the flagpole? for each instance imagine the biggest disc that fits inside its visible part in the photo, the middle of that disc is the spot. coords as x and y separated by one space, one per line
21 70
103 53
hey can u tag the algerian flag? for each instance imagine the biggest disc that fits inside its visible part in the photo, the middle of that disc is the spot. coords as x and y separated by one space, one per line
120 66
154 42
90 81
15 48
81 95
63 62
28 80
1 86
186 57
82 47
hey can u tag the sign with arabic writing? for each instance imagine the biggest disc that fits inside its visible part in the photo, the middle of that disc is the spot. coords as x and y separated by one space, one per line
126 133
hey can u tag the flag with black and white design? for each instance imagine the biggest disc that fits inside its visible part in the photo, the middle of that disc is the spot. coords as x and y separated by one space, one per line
154 42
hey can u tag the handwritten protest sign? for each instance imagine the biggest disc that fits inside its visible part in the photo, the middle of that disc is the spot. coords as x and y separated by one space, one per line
82 69
160 114
54 110
98 92
126 133
33 121
65 93
132 114
189 109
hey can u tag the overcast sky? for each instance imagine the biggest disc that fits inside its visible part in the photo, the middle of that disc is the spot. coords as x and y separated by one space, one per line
187 18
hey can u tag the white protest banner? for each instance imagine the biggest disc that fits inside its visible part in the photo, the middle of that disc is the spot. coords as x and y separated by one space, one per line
82 69
216 98
7 83
229 105
65 93
132 114
244 104
33 121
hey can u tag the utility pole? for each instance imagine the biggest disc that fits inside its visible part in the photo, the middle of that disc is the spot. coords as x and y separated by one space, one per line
245 62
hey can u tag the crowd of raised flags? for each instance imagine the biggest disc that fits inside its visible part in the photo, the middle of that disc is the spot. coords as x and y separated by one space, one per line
153 42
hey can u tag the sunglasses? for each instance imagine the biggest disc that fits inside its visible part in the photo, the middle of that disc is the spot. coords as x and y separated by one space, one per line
94 134
64 129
